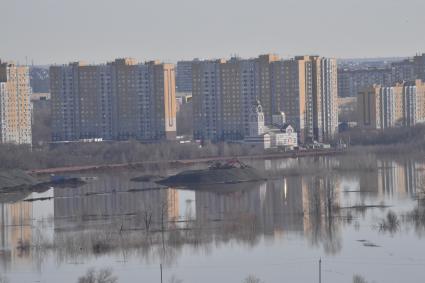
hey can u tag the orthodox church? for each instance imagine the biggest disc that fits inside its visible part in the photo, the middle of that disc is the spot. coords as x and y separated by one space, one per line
279 134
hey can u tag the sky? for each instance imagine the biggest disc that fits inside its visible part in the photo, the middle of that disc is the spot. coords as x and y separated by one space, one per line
96 31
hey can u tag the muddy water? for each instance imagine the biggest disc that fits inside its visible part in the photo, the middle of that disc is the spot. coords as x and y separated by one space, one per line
276 230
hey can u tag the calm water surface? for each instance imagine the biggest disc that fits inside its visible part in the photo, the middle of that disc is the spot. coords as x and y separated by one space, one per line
277 230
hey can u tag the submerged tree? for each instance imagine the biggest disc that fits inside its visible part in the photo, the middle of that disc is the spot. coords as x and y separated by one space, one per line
102 276
358 279
252 279
391 223
174 279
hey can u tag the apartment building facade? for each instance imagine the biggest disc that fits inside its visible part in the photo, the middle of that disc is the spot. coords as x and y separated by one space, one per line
326 100
184 76
118 101
304 88
352 81
419 65
400 105
15 105
224 92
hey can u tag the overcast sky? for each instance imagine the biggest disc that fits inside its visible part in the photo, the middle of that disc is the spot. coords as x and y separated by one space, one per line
59 31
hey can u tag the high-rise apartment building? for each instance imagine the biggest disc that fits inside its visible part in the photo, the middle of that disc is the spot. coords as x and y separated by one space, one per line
325 102
419 65
207 100
352 81
117 101
15 105
403 71
265 85
400 105
184 76
305 89
295 92
224 92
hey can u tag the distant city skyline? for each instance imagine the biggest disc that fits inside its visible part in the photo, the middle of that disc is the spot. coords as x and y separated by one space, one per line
57 32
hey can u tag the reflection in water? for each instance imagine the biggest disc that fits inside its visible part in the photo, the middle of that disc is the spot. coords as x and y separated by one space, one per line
109 214
416 218
115 216
392 177
15 232
295 204
100 201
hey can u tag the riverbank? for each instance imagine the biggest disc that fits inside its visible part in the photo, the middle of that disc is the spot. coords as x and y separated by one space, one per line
88 156
181 162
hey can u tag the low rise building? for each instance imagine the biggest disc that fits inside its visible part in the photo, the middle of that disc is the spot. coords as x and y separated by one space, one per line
278 135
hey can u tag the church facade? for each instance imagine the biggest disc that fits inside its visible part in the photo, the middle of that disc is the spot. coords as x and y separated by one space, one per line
279 135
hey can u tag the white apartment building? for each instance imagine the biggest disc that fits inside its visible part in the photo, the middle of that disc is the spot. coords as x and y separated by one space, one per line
15 105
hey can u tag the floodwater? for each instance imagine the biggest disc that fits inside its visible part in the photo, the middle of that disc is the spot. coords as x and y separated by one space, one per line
276 230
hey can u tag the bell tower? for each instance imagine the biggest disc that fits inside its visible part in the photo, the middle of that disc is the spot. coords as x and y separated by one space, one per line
256 120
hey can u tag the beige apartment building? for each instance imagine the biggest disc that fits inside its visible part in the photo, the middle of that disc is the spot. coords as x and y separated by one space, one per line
295 92
15 105
304 88
400 105
266 82
223 92
118 101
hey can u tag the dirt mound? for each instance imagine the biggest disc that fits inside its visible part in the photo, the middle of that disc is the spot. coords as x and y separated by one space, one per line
213 176
146 178
16 178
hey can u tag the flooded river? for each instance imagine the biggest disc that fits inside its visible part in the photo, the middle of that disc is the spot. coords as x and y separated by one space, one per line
359 221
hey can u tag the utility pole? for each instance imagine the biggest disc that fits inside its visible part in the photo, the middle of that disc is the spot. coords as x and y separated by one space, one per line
320 270
160 267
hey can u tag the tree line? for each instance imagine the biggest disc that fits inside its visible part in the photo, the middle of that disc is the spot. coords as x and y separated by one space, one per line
78 154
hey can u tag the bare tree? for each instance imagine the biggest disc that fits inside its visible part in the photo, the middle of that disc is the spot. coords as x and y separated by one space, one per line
106 276
147 214
391 223
174 279
358 279
89 277
102 276
252 279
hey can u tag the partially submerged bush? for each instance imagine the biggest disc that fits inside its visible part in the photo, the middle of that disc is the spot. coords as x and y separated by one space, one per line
102 276
359 279
391 223
252 279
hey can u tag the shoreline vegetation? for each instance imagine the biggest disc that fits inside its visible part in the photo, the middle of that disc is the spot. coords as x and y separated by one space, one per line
127 154
402 140
130 154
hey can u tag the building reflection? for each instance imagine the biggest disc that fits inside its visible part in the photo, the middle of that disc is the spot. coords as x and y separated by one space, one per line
304 206
296 204
113 199
391 177
15 232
